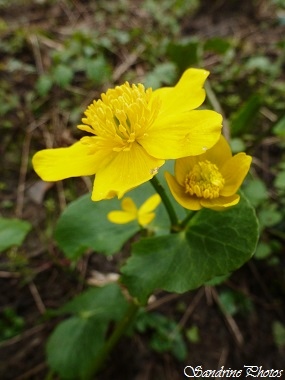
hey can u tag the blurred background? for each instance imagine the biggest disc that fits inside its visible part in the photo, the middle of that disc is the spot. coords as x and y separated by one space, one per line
55 58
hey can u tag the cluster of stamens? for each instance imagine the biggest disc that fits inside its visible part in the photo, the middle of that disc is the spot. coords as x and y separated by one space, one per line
122 115
204 180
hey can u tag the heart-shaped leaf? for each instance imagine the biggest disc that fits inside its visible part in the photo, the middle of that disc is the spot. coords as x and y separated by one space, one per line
74 345
84 224
105 302
213 244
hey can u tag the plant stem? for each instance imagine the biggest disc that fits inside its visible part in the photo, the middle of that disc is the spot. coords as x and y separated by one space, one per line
186 220
119 330
169 208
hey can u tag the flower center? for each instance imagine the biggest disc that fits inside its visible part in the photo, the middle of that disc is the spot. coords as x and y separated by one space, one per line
122 115
204 180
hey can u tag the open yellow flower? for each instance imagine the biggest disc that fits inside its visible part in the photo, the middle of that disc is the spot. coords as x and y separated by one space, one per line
209 180
133 130
130 212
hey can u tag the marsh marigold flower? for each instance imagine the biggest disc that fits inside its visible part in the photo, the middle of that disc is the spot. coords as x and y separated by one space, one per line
133 131
209 180
144 215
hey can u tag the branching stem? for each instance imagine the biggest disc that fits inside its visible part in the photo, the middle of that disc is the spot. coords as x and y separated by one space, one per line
168 205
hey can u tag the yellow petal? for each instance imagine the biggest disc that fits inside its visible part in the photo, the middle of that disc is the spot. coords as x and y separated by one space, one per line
128 205
60 163
183 134
220 203
178 192
219 153
126 171
120 217
183 166
188 93
150 204
234 172
145 219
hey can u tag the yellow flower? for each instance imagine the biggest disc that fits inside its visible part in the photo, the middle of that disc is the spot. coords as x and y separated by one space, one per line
209 180
130 212
133 130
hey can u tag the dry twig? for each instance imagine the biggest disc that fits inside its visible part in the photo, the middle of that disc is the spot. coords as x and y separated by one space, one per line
33 371
37 298
191 308
24 335
231 323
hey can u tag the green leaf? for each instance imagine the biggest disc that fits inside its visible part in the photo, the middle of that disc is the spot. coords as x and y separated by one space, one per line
228 302
74 345
279 127
260 63
232 302
263 250
192 334
168 338
107 303
165 336
76 342
11 323
213 244
184 53
256 191
84 224
98 70
218 280
12 232
217 45
243 120
237 145
163 74
279 181
278 330
63 75
44 84
269 216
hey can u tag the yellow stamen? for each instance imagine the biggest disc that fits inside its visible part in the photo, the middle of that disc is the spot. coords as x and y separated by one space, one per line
122 115
204 180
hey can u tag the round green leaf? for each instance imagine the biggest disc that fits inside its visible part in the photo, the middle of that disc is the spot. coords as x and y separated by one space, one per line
256 191
213 244
84 225
74 345
106 303
12 232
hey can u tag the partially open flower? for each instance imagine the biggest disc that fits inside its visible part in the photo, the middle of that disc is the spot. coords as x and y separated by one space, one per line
209 180
133 131
144 215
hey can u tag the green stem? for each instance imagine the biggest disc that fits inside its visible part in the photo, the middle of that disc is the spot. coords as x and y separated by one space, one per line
186 220
119 330
168 205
